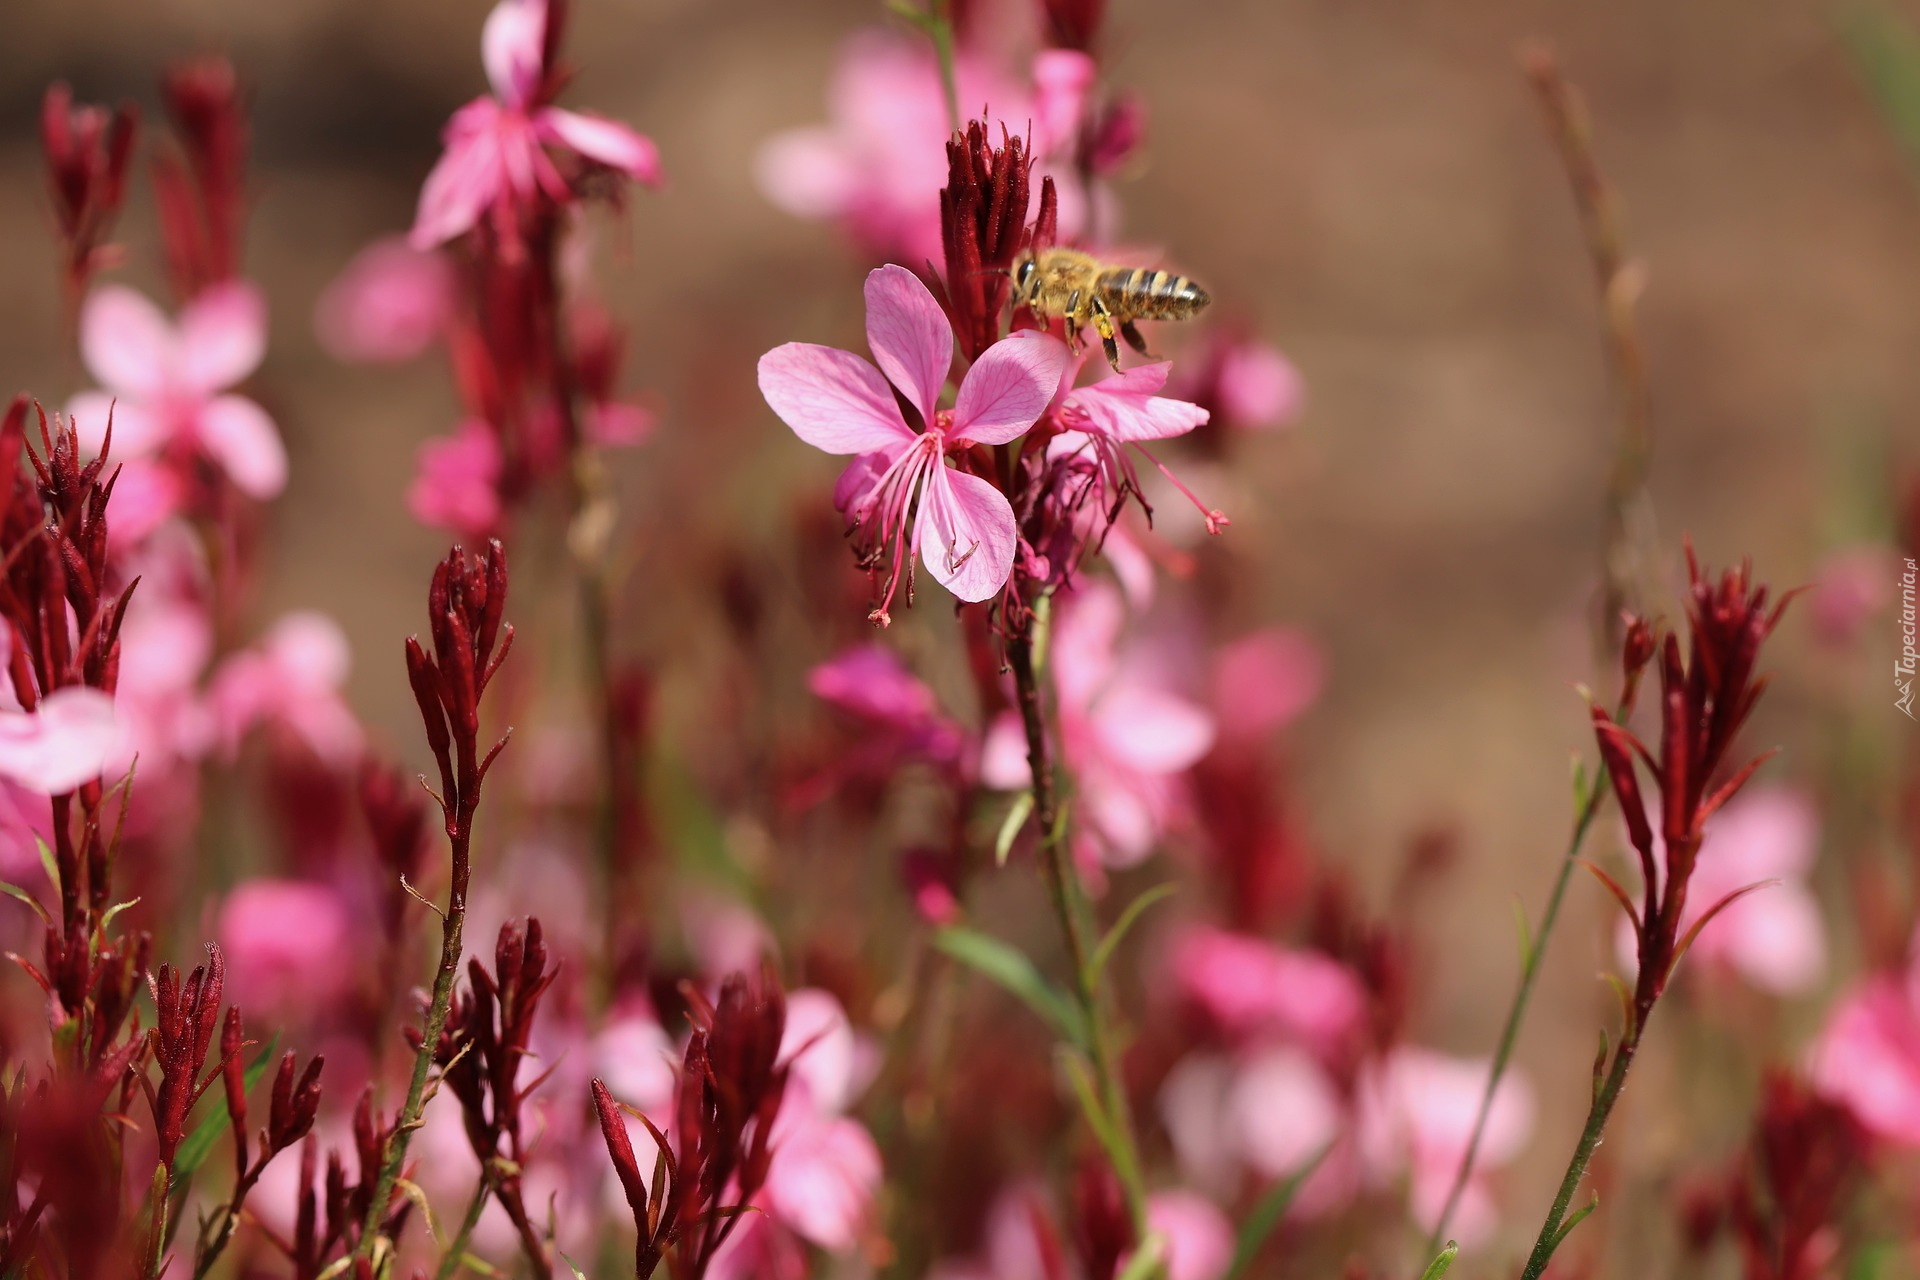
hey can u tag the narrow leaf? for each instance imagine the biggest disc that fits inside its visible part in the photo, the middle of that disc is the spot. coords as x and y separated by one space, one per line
1575 1219
1711 912
1103 953
1010 827
15 891
199 1144
1267 1213
1442 1264
1011 970
1620 895
46 861
1147 1259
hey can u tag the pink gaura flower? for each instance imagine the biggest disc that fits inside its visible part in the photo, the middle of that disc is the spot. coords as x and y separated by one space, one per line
162 380
292 679
389 305
1772 937
1124 409
497 146
1199 1237
908 500
903 718
457 484
1416 1115
1849 588
1273 1110
1126 738
1261 682
1868 1054
1252 989
64 741
1249 383
285 940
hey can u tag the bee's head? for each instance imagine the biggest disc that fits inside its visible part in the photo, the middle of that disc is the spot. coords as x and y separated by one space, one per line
1023 272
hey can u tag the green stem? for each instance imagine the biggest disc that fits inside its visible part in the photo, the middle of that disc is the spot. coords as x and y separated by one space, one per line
1554 1229
1517 1011
940 28
1070 905
457 1247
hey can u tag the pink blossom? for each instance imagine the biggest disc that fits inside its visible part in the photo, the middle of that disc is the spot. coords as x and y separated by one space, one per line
878 166
26 820
63 742
497 146
1248 382
1417 1111
872 685
1126 740
1252 988
1772 937
1199 1237
457 484
285 942
1849 588
390 304
637 1059
1274 1110
1126 409
1868 1055
292 679
963 530
161 381
1264 680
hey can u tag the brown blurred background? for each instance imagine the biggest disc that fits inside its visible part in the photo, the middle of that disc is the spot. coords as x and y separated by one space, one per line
1368 182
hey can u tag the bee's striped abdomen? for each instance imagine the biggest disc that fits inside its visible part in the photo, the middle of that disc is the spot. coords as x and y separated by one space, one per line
1151 295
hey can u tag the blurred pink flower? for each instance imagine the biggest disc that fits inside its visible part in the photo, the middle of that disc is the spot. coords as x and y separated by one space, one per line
1246 381
1199 1237
637 1058
286 943
1254 989
1773 937
1273 1110
64 741
1849 588
1262 681
878 166
161 381
390 304
964 530
26 819
1867 1056
901 714
496 146
457 484
292 679
1126 740
146 494
1416 1114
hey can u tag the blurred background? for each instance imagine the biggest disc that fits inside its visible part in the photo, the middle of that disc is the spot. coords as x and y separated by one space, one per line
1368 186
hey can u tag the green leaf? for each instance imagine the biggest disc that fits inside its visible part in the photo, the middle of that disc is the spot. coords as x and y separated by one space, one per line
1148 1259
1008 967
198 1145
572 1266
1103 953
107 916
1081 1078
1575 1219
15 891
52 867
1442 1264
1267 1213
1010 827
1886 49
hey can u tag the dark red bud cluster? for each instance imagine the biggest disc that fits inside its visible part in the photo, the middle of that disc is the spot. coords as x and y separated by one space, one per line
1102 1225
1703 702
185 1015
87 149
731 1086
464 605
1788 1199
983 226
202 198
1073 24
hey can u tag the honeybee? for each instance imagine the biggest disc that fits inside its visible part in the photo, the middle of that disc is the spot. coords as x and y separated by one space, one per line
1078 288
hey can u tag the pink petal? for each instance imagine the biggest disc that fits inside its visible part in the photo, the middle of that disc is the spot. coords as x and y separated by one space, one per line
806 173
871 682
390 304
1086 628
1262 681
1124 406
617 425
820 1047
1775 938
965 533
1199 1237
1258 387
1003 756
284 939
144 496
833 400
1009 386
310 650
1868 1057
223 336
1151 731
456 481
1062 79
911 340
511 46
127 343
137 428
1763 833
607 141
63 743
469 176
825 1174
238 434
1284 1111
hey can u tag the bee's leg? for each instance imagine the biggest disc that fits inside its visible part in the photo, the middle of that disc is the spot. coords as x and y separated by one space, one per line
1134 340
1103 321
1072 319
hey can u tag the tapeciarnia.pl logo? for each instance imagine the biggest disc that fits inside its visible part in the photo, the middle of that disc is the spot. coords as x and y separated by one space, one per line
1903 667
